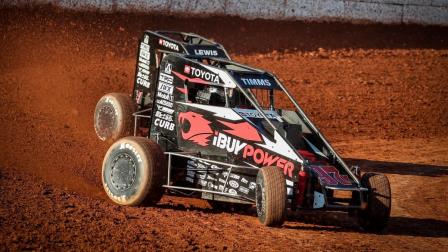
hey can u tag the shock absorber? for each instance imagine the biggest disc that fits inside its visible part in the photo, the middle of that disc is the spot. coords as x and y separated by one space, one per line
301 188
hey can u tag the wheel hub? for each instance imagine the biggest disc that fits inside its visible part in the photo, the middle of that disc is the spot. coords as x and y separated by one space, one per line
106 120
123 172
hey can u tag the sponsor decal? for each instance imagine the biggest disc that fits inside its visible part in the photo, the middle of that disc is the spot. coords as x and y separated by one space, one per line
252 113
146 39
194 127
191 173
202 175
202 166
233 184
263 158
167 97
252 186
187 69
168 44
242 130
205 52
202 182
202 74
257 155
235 176
221 112
143 73
256 82
164 116
214 177
166 78
212 186
211 178
164 103
188 179
197 129
165 109
329 175
243 190
165 88
164 124
228 143
168 68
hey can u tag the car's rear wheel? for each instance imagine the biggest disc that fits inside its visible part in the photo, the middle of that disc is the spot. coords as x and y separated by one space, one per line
134 170
271 196
376 215
113 116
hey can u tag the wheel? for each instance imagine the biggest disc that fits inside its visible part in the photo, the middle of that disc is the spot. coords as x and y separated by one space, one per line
113 116
271 196
375 217
134 170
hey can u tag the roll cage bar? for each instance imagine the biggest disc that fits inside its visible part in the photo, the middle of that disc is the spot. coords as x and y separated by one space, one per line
188 37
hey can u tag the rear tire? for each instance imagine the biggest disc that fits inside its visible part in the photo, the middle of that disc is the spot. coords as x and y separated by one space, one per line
270 195
113 116
375 217
134 170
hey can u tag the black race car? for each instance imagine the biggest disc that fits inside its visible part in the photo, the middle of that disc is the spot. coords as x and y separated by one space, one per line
207 127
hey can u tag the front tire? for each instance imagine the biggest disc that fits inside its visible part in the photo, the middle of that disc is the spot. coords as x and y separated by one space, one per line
113 116
134 170
271 196
375 217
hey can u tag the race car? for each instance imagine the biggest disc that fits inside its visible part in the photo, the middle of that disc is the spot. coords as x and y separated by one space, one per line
205 126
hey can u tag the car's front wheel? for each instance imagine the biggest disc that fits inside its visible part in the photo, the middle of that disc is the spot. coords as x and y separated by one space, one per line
134 170
271 196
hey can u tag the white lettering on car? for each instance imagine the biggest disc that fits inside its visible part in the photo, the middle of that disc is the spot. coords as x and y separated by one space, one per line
168 44
205 52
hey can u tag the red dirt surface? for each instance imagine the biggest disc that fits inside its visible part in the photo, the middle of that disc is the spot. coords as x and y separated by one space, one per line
379 93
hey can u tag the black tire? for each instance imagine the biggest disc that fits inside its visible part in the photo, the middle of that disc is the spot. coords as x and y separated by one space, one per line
270 196
134 170
113 116
376 215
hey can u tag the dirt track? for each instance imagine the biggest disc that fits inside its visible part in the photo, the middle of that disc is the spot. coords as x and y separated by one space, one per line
379 93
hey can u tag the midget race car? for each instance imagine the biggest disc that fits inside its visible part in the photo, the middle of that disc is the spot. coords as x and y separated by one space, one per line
201 125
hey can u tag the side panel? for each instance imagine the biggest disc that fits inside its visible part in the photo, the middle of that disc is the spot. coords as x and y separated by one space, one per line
238 182
163 124
220 133
152 48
